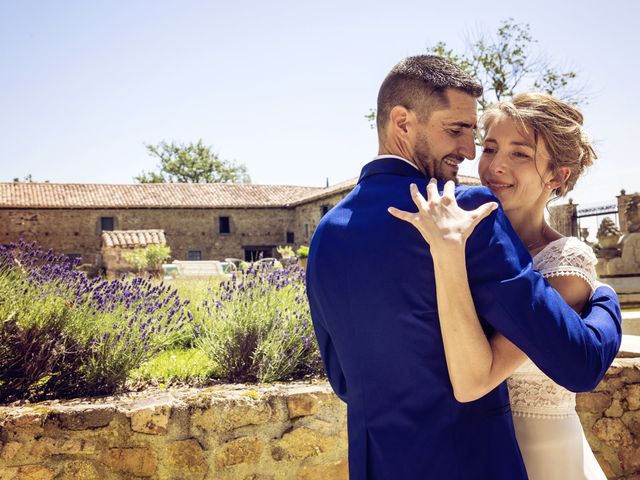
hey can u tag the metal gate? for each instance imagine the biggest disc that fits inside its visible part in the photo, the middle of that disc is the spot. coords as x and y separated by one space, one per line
591 215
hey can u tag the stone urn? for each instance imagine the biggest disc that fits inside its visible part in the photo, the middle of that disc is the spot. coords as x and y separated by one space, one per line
608 234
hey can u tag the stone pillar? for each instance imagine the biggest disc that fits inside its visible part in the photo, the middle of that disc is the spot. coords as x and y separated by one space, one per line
623 199
563 218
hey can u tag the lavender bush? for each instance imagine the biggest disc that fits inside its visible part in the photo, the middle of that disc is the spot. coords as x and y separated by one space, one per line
257 326
62 334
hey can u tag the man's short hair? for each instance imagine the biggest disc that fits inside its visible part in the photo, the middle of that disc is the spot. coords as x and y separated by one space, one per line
419 84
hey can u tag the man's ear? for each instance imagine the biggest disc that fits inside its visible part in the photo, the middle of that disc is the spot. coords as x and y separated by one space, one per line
399 119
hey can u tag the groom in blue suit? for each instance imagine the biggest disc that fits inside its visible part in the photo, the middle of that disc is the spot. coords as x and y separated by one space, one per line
372 295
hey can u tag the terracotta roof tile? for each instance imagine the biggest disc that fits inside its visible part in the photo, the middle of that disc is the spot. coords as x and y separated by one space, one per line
133 238
168 195
148 195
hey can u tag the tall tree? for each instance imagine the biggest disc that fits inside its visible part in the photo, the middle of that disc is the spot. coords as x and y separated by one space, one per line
506 63
191 163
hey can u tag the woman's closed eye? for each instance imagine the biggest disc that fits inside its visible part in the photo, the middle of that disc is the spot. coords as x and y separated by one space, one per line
521 155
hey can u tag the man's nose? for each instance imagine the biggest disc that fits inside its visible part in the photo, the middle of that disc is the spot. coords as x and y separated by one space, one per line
467 148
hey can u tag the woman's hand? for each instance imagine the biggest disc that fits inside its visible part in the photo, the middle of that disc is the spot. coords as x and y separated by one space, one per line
443 224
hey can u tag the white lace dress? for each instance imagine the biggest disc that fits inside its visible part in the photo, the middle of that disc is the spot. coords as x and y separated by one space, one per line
547 427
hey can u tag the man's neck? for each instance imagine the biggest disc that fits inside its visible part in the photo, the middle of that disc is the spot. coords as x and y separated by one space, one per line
388 155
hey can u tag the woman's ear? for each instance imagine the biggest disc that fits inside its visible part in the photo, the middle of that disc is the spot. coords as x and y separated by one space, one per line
560 178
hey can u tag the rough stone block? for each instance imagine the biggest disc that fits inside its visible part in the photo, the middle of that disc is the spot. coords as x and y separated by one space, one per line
8 473
334 471
614 369
24 420
140 462
615 410
46 446
240 450
9 450
595 402
152 420
225 415
304 403
630 375
301 443
630 457
633 397
186 456
34 472
612 384
79 470
87 418
632 420
613 432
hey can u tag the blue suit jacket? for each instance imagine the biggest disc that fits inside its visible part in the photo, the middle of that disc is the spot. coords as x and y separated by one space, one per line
372 295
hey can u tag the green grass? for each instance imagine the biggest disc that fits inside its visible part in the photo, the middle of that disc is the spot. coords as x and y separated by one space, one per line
196 289
175 366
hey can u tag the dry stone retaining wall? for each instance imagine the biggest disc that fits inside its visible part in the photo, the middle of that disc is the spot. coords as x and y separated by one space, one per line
293 431
610 416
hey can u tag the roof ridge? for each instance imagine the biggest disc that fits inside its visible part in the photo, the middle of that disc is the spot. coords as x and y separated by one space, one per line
24 184
160 195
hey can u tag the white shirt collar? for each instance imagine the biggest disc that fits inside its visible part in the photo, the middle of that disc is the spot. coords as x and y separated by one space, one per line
399 158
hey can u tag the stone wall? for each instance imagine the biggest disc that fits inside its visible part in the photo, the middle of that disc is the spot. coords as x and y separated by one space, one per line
294 431
610 416
622 201
308 215
563 219
78 230
114 261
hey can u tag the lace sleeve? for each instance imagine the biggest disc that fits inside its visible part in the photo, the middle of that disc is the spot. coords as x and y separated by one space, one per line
568 256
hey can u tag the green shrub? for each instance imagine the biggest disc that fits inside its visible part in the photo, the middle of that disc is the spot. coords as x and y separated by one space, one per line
175 366
258 329
65 335
149 258
40 361
285 251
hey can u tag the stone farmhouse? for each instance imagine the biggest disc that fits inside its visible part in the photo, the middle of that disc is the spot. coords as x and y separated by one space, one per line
199 221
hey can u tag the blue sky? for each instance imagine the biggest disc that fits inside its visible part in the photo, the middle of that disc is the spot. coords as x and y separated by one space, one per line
282 86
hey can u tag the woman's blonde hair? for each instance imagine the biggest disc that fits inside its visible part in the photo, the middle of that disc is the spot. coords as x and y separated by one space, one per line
557 123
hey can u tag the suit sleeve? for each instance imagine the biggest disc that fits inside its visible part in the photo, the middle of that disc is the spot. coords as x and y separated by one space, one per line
331 362
513 298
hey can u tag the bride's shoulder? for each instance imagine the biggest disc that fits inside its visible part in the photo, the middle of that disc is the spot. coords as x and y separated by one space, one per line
567 257
569 248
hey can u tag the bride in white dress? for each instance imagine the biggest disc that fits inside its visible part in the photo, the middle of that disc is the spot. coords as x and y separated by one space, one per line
533 148
547 427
